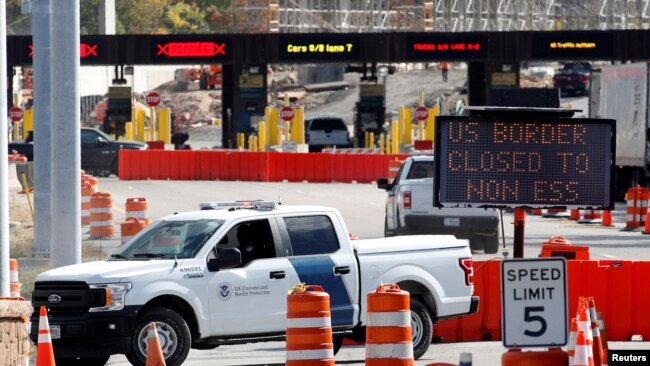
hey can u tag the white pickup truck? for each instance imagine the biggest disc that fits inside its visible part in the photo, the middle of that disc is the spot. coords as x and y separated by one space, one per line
410 209
221 275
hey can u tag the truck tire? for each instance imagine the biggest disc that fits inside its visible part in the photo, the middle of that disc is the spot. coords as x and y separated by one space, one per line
173 332
421 326
88 361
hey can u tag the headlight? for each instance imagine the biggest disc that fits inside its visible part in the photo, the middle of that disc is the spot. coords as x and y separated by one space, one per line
115 296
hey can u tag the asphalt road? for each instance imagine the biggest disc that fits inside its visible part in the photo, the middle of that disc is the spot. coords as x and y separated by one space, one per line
362 206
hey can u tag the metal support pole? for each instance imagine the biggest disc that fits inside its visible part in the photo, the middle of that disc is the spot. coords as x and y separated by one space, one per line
520 222
4 158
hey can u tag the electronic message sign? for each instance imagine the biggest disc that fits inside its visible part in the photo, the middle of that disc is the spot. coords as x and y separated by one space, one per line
190 48
92 50
319 47
446 46
489 161
572 45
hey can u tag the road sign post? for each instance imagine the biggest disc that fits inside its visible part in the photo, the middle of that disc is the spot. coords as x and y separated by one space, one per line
534 308
153 99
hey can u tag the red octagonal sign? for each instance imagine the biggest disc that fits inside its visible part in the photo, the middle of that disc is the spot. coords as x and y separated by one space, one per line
153 99
16 114
287 113
422 113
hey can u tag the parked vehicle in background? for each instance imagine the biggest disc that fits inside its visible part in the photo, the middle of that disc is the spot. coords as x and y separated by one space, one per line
620 92
573 78
410 210
219 276
99 152
326 132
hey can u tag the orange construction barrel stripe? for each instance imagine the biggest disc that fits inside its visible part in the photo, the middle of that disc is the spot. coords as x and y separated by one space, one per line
309 330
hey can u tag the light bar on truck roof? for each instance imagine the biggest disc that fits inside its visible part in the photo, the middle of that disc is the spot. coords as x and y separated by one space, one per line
217 205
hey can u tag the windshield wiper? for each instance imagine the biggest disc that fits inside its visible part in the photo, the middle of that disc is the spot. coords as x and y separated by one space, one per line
149 255
119 256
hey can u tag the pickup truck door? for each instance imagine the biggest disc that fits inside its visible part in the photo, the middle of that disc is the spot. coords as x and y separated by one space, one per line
320 254
251 299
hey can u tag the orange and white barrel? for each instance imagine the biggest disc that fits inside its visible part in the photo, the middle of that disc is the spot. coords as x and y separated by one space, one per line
137 207
637 207
393 168
130 227
309 329
14 282
101 215
87 190
389 340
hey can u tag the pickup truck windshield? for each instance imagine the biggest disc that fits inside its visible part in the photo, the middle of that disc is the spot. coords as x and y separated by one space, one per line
169 239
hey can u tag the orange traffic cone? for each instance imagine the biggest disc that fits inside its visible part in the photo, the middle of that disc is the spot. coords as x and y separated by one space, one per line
45 352
646 228
607 218
571 347
154 352
603 338
595 328
583 351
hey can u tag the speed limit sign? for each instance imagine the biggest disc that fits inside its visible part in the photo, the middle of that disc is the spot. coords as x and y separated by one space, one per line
534 302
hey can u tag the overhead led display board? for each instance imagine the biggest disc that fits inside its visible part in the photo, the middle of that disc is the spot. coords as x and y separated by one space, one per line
518 162
190 48
572 45
319 47
92 50
446 46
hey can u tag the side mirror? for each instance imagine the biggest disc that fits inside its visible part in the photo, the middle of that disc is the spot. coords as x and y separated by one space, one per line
101 142
383 183
227 258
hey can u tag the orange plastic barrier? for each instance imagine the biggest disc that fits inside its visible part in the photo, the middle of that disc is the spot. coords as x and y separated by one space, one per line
253 166
389 339
614 285
101 215
309 329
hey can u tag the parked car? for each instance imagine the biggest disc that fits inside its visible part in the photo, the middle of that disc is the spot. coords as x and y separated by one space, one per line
573 78
410 209
99 151
326 132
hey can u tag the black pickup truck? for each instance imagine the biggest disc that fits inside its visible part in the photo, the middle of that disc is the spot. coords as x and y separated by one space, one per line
99 152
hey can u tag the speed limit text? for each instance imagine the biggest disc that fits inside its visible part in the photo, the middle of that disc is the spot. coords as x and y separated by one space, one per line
532 275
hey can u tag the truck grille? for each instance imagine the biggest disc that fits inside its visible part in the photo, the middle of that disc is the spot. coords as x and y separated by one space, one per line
75 297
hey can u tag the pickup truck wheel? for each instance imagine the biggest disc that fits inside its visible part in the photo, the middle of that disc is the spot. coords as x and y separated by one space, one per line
421 326
88 361
173 333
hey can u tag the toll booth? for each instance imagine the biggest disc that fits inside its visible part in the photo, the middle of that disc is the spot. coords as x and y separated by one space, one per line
370 110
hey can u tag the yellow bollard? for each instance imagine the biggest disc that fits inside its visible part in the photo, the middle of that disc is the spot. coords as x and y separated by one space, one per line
300 123
164 117
365 138
371 140
431 121
405 116
128 127
140 126
395 138
261 132
240 140
382 137
272 117
28 121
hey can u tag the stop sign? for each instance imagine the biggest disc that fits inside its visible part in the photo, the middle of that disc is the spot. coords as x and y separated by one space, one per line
287 113
16 114
153 99
422 113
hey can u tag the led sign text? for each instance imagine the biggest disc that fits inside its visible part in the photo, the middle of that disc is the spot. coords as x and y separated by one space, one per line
498 162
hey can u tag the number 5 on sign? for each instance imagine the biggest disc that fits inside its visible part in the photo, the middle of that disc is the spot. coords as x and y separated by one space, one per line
534 302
